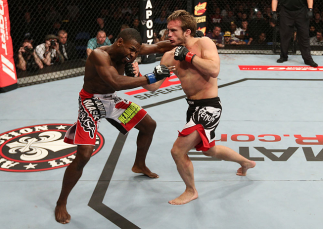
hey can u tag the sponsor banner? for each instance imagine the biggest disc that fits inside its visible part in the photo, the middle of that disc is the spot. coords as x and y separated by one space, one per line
264 147
278 68
199 12
38 148
146 27
8 74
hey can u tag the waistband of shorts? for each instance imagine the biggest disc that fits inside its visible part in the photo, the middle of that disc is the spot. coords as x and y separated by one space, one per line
85 94
202 102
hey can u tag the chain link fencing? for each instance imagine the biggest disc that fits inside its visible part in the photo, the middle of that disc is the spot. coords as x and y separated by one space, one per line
40 27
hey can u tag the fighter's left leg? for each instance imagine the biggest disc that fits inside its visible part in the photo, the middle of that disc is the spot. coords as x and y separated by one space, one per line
228 154
146 129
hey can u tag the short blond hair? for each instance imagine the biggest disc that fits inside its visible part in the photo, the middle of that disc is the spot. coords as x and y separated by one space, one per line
188 20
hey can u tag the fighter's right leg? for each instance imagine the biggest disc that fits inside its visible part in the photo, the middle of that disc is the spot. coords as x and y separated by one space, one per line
185 167
72 174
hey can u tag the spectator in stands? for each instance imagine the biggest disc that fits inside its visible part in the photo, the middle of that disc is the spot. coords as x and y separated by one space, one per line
228 40
226 10
136 24
161 21
67 48
163 35
98 41
229 18
312 31
49 52
155 38
318 39
245 17
317 21
53 15
216 36
238 19
258 25
216 18
260 41
57 26
267 15
101 25
243 33
27 58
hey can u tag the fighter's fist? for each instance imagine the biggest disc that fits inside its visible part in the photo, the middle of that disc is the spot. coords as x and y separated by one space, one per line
129 70
160 72
132 69
182 53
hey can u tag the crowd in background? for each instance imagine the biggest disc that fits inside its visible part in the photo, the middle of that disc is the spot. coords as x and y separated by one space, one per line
60 31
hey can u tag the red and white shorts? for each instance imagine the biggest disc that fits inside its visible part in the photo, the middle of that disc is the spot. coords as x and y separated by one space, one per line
121 113
204 117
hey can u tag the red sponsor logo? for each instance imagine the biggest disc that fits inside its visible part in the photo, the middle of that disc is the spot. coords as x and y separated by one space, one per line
278 68
203 29
200 9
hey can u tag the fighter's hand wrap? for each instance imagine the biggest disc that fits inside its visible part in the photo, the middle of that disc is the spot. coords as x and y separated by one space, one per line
182 53
129 70
160 72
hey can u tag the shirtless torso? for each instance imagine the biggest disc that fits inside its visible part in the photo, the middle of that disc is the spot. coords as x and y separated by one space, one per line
197 82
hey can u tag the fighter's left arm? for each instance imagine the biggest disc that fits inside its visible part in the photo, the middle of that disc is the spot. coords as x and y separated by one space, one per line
209 62
159 47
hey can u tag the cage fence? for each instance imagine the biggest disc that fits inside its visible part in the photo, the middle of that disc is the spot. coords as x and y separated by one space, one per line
242 27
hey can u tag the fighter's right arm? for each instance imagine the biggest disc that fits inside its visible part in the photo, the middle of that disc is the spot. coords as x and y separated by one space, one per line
164 61
110 75
159 47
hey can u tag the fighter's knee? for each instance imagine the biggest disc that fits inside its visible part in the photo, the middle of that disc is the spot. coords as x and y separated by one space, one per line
175 153
83 155
206 153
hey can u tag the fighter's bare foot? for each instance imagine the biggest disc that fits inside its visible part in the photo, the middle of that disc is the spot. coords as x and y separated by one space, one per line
244 167
144 170
186 197
61 214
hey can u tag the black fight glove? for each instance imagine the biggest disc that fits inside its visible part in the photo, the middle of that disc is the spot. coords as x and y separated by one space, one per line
128 69
199 33
182 53
309 14
160 72
275 17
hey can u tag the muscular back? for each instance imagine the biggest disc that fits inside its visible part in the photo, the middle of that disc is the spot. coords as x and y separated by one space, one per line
196 84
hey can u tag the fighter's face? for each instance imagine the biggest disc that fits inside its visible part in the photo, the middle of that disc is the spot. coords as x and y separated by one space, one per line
130 51
176 35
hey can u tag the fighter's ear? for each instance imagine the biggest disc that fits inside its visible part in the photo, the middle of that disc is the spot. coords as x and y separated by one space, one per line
119 41
188 32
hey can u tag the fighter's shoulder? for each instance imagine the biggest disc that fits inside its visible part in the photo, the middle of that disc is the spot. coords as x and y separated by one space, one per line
99 56
205 40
